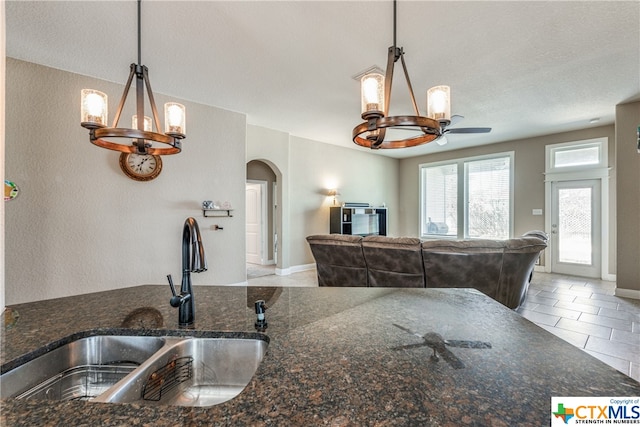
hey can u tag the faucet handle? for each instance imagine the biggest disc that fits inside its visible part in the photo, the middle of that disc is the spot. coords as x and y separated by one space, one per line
173 288
177 299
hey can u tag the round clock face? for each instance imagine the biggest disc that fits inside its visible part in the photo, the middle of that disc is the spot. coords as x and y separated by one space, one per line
141 167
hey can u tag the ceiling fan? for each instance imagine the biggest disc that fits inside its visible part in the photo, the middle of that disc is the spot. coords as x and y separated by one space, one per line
444 126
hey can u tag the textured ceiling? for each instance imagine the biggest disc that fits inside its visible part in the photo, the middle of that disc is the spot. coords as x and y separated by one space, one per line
523 68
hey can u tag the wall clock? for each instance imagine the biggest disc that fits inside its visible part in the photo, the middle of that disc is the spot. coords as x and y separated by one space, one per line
140 167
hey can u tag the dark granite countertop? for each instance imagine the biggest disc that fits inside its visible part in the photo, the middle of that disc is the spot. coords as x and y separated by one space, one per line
336 357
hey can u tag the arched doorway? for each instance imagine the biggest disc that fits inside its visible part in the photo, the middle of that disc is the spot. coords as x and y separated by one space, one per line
262 222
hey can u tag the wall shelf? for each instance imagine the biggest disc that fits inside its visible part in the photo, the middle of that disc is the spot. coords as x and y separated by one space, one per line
212 213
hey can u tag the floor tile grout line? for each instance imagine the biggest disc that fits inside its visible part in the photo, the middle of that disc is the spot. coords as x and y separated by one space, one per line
600 312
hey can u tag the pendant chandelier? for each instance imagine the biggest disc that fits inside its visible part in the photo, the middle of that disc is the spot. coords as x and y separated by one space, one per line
376 97
140 137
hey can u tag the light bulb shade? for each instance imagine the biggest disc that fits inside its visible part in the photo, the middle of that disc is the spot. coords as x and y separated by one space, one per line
148 123
174 119
439 103
93 110
372 90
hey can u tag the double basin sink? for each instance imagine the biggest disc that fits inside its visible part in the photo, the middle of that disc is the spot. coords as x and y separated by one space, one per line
152 370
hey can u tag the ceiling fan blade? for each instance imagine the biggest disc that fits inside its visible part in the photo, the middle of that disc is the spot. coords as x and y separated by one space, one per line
456 118
469 130
442 140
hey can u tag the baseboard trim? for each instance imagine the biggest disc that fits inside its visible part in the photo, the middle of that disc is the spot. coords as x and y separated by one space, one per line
609 277
295 269
628 293
245 283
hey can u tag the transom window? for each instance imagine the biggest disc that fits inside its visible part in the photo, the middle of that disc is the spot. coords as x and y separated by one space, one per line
467 198
579 155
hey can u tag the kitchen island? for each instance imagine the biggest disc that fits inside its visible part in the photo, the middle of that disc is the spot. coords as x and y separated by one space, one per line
336 357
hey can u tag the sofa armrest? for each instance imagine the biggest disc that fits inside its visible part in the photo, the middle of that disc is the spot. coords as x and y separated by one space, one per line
520 257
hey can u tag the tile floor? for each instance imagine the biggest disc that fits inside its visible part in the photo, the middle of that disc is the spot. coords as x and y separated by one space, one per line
584 312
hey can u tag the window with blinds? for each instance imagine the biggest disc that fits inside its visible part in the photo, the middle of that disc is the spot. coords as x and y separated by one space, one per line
440 200
468 198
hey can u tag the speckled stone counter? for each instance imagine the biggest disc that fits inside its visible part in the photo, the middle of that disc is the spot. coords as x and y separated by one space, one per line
336 357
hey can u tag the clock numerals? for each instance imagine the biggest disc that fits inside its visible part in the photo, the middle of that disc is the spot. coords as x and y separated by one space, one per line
140 167
143 164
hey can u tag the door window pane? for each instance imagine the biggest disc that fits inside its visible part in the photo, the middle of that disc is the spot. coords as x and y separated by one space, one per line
574 225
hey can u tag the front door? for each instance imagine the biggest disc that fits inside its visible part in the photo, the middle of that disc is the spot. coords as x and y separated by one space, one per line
575 228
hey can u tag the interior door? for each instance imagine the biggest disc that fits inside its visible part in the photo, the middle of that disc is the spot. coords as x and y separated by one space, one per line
575 228
254 223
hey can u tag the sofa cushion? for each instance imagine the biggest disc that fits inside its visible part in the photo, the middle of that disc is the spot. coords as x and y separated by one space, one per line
393 261
339 259
463 264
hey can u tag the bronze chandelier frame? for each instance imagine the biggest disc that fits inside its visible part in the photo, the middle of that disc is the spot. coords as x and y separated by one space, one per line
142 139
372 132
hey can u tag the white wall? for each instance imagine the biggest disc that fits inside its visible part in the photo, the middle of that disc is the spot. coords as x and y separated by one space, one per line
80 225
309 168
358 175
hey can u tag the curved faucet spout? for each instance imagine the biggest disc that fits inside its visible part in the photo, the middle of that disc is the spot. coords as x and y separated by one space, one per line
193 261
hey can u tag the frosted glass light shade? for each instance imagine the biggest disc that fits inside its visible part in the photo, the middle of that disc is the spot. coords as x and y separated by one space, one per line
94 106
439 103
174 119
148 124
372 90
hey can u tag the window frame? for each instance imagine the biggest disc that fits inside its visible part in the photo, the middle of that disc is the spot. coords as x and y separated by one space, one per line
462 190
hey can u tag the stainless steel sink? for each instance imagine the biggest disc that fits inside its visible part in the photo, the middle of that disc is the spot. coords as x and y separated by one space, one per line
191 372
79 370
154 370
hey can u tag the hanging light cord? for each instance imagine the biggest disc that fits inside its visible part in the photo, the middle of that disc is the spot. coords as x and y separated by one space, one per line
139 32
394 25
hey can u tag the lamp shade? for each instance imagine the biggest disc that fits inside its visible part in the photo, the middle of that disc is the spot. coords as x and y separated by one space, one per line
372 89
439 103
174 119
148 126
94 108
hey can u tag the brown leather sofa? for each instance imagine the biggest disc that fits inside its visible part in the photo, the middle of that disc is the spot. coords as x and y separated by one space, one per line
501 269
339 260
